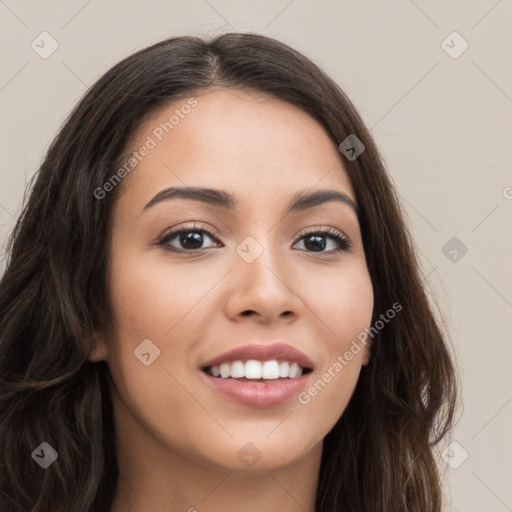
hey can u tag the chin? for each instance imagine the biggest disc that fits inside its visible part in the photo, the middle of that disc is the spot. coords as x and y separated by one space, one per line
257 453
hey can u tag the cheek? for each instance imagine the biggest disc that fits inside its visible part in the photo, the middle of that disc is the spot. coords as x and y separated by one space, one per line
152 300
342 302
161 303
167 304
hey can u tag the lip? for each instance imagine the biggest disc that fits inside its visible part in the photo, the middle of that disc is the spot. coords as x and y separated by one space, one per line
258 394
278 351
254 393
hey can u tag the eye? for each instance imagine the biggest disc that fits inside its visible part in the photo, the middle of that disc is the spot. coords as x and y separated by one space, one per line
190 238
315 241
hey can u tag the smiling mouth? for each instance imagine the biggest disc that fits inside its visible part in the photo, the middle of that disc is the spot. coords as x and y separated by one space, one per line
252 370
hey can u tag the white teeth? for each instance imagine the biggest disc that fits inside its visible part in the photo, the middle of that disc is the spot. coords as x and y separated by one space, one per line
295 371
237 370
270 370
225 370
284 369
253 369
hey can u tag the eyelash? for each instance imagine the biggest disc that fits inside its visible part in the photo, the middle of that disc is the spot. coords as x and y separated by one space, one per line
344 243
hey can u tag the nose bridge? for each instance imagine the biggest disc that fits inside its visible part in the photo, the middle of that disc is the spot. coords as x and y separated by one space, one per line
257 254
261 279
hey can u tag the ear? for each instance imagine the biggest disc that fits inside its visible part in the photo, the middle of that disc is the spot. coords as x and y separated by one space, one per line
99 351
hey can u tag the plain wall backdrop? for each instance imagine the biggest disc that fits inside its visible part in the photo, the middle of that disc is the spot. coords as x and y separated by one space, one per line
433 82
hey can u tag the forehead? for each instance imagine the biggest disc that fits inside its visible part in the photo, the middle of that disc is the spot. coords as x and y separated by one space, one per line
252 144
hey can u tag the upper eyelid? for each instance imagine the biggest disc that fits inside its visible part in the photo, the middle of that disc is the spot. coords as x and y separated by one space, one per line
204 227
326 231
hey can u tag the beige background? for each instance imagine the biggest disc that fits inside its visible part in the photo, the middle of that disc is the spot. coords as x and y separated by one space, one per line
444 126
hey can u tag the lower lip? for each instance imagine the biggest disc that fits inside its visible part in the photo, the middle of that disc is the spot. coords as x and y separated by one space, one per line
258 394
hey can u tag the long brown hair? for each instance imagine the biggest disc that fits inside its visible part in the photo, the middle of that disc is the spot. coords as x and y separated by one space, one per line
54 296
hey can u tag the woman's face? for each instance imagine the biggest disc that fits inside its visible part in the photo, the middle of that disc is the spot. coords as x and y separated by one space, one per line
265 275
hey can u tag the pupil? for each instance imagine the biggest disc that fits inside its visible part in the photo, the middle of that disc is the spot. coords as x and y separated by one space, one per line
191 240
319 242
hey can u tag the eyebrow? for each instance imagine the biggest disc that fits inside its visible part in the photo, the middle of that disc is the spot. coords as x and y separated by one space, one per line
300 201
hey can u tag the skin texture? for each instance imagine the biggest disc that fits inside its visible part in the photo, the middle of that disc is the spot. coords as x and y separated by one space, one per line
178 438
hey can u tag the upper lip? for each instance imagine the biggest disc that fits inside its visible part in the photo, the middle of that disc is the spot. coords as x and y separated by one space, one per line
280 351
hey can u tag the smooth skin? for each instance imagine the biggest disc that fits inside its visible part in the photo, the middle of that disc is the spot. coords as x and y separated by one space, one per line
178 440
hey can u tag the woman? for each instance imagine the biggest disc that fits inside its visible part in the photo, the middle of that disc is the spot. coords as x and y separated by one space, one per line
212 301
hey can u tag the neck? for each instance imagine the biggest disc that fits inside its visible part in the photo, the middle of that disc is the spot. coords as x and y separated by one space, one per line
195 489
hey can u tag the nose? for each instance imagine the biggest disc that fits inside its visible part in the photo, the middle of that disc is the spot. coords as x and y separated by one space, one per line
265 289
